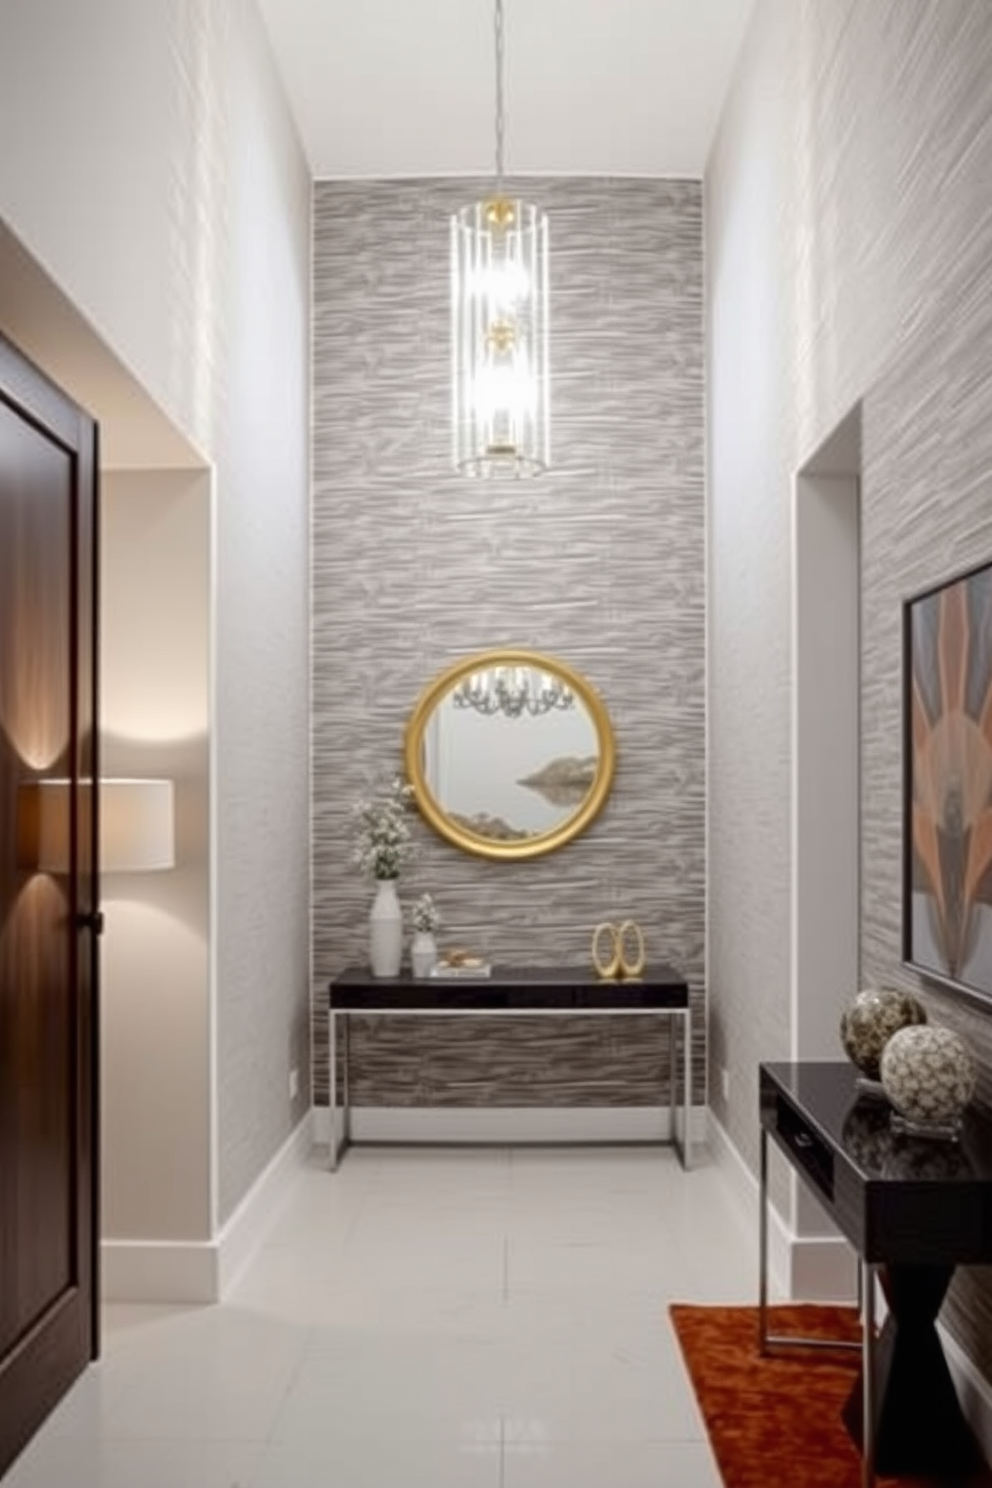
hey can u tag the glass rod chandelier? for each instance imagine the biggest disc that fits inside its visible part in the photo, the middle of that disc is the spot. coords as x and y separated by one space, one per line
499 300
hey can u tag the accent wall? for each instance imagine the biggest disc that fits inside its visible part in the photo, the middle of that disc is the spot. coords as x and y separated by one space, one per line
599 562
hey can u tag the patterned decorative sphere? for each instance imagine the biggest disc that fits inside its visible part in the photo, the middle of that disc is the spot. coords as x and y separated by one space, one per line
928 1075
871 1020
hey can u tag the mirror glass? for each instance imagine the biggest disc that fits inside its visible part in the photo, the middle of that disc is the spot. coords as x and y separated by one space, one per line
510 753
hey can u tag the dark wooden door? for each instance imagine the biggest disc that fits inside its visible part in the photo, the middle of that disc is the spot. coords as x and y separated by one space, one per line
48 920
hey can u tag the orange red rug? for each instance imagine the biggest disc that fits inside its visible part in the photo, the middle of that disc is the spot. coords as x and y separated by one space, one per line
776 1420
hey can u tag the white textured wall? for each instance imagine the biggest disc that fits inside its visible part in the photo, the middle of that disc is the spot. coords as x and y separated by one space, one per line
154 956
263 632
102 177
849 221
751 451
150 165
843 194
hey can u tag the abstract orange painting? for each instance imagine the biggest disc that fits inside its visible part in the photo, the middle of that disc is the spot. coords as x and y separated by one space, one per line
947 919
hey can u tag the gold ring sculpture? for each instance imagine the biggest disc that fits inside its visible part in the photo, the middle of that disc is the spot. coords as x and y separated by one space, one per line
607 969
616 962
631 968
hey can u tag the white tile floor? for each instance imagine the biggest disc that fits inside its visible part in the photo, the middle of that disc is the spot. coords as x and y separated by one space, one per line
431 1318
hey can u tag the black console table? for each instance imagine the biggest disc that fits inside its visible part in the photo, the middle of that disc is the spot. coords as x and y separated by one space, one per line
514 993
913 1208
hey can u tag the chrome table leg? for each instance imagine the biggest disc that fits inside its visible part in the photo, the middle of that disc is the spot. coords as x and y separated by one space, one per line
687 1086
763 1246
332 1056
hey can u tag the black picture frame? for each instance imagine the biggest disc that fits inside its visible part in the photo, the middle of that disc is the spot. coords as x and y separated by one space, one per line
947 787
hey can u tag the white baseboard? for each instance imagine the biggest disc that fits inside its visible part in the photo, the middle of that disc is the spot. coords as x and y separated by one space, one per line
203 1270
243 1232
808 1268
821 1268
158 1271
509 1124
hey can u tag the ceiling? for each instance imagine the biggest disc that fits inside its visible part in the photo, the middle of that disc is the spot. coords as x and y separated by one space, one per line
593 87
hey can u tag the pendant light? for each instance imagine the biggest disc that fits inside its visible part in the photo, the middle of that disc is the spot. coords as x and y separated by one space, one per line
499 297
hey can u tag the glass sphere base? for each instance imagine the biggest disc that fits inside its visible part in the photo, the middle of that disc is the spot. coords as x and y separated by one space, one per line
941 1131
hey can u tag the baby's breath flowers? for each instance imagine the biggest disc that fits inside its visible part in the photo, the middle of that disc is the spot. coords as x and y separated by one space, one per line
383 841
425 916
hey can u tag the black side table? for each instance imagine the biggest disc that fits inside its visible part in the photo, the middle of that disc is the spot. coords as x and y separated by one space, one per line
913 1208
513 992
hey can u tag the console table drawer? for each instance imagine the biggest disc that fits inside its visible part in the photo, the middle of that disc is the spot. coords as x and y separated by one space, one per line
806 1146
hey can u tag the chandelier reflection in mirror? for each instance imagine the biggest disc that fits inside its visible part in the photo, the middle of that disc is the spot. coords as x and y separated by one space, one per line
513 690
499 285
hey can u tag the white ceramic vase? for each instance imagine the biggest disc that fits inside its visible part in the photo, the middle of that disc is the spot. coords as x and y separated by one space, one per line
423 953
385 930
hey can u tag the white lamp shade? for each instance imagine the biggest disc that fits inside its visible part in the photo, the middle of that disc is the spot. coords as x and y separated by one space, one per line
136 826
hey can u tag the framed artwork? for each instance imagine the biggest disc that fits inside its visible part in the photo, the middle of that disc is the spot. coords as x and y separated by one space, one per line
947 752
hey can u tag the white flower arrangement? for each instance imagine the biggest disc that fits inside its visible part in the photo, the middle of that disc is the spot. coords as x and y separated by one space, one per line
383 841
425 915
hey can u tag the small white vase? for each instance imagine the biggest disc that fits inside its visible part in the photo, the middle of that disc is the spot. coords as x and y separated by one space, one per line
385 930
423 953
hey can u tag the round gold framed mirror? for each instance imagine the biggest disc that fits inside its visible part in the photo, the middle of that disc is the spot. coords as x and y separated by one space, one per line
510 753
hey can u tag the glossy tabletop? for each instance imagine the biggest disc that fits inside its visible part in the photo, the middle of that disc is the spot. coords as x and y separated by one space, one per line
511 989
896 1196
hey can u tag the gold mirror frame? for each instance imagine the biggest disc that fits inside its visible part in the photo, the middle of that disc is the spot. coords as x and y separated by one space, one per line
545 842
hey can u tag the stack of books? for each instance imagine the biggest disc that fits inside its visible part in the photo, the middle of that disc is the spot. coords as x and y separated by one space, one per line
457 965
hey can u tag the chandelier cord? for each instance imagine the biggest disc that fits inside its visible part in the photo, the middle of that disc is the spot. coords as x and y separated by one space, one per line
500 108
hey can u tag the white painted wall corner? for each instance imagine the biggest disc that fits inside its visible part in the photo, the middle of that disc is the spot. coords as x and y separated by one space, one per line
202 1271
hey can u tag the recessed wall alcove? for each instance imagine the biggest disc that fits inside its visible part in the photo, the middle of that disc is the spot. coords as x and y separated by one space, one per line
155 955
826 630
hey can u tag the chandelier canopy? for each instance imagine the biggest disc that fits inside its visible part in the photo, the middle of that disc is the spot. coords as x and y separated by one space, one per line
499 299
513 690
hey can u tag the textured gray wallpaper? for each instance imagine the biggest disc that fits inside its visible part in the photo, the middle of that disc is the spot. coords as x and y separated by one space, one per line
926 515
847 207
849 244
599 563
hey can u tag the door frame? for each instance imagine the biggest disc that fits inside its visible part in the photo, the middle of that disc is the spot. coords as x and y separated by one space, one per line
48 1358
